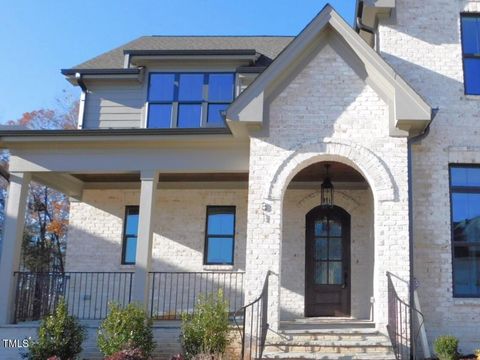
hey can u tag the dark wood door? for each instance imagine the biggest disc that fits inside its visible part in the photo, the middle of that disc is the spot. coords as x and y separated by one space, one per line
327 262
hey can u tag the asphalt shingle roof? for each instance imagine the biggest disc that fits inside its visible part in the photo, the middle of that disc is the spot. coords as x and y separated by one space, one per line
269 46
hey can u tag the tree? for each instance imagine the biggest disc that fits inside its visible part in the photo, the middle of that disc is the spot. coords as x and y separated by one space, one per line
46 221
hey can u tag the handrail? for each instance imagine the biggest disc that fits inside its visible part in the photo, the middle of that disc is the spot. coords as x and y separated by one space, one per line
261 326
400 322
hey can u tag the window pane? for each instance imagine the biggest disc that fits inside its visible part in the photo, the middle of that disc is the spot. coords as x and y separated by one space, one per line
465 176
190 87
471 35
467 270
220 222
130 250
189 115
321 272
335 273
220 87
215 114
472 76
220 251
131 227
159 115
321 249
335 228
335 249
161 87
466 216
321 227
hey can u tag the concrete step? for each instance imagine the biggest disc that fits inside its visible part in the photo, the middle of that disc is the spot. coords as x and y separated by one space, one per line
328 334
326 356
328 339
327 346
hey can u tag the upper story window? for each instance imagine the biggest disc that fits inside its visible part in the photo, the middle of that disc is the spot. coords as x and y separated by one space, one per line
130 232
465 212
189 100
471 52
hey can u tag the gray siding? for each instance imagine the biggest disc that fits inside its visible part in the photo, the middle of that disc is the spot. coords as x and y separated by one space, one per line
114 105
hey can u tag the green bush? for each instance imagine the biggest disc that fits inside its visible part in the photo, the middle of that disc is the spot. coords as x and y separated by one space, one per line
207 330
446 347
125 329
60 335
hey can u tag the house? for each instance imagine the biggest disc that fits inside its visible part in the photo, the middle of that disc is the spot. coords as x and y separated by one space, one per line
330 178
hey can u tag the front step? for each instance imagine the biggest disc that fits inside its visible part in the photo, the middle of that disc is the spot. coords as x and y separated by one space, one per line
324 340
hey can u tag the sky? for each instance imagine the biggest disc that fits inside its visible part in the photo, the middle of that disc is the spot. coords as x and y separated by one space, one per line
38 38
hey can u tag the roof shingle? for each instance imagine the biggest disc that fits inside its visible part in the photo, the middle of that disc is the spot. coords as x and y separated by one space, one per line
269 46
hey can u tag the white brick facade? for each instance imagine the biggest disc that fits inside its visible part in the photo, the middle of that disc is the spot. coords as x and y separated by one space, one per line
424 47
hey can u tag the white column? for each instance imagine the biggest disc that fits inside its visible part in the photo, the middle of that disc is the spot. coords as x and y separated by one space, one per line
149 182
12 242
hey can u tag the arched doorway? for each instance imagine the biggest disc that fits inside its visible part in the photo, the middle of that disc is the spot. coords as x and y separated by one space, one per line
327 262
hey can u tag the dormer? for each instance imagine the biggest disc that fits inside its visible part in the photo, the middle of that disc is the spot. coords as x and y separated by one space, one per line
166 82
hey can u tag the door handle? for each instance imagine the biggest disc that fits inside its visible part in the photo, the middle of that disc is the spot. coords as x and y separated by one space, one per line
345 280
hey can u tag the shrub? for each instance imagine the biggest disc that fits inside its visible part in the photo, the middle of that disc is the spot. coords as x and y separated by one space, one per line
126 328
206 332
477 354
446 347
133 354
60 336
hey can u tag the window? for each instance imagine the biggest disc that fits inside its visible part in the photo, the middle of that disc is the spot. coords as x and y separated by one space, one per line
220 235
130 232
189 100
465 212
471 52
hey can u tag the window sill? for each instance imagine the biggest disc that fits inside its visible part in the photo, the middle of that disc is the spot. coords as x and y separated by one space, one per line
466 301
471 97
218 267
127 266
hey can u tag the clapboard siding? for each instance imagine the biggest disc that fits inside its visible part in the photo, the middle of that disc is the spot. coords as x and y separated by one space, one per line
114 106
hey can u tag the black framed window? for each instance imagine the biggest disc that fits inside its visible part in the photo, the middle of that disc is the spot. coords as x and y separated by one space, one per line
465 213
189 100
471 52
220 235
130 233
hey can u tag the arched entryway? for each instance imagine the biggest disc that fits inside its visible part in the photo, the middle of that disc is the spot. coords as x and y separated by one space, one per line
328 251
327 262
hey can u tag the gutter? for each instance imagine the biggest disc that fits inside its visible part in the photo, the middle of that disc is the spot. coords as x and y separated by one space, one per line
412 283
113 132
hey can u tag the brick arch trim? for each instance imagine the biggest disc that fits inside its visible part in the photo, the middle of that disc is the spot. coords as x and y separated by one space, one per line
360 158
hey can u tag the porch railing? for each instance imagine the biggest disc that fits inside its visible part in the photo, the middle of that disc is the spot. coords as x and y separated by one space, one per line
402 329
252 323
87 294
175 293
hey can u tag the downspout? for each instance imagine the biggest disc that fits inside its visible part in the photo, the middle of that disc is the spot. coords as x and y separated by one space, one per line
360 26
413 140
83 99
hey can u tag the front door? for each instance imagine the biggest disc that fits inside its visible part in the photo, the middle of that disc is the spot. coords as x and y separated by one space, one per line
327 262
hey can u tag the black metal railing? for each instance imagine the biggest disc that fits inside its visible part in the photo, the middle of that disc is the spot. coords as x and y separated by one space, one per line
252 323
175 293
87 294
402 328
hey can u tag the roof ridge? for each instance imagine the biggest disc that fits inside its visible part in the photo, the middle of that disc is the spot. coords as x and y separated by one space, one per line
221 36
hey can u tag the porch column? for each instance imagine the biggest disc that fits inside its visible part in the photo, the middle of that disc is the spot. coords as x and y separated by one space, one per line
12 242
149 182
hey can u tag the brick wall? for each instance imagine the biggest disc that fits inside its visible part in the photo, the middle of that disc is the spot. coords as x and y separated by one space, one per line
422 43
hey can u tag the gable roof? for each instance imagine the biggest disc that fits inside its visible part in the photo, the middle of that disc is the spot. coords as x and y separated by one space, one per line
269 46
409 112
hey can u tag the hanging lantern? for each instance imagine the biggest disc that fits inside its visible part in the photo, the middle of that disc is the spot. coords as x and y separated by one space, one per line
326 190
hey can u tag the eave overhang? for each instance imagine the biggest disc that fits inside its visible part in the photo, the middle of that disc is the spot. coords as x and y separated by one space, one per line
8 137
76 75
409 112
